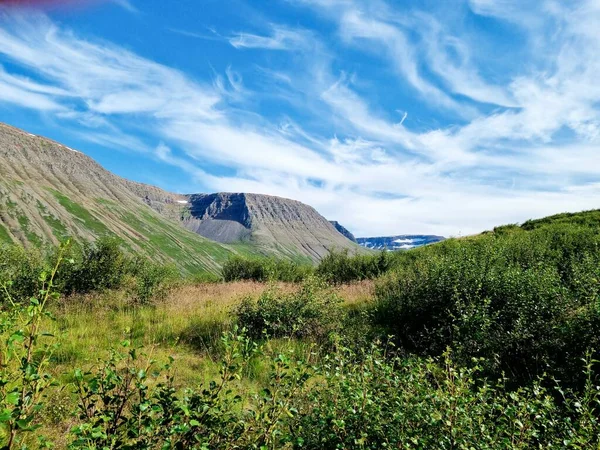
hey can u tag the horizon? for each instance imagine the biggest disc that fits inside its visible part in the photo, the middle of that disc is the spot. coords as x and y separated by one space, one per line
431 119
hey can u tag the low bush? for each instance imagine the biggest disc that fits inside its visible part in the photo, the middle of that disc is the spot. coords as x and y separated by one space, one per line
22 269
92 267
369 398
151 281
344 268
96 266
527 302
264 269
312 311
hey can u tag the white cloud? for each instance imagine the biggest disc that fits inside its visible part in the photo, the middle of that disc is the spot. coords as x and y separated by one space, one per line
127 5
281 38
536 153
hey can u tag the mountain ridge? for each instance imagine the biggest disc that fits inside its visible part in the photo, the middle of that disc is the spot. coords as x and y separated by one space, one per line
399 242
47 194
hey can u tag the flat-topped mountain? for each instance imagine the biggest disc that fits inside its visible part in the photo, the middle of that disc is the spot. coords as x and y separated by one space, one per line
401 242
49 192
274 224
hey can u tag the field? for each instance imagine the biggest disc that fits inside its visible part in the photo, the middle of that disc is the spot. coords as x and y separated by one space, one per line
483 342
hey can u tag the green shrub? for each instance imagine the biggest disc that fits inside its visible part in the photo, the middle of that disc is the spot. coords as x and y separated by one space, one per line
343 268
312 311
97 266
22 269
263 269
151 281
516 299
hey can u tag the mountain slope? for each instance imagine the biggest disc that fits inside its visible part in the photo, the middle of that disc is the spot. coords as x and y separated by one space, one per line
49 192
272 224
342 229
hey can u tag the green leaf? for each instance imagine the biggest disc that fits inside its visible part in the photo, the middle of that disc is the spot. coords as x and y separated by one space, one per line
12 398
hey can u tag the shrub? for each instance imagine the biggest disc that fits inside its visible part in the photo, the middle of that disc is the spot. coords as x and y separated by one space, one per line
263 269
25 354
312 311
22 269
151 281
515 299
97 266
343 268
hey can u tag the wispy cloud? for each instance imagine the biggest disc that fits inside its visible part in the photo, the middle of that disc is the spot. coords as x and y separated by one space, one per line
127 5
517 146
281 38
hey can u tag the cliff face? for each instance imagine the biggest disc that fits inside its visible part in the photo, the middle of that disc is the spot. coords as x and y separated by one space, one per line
342 229
279 225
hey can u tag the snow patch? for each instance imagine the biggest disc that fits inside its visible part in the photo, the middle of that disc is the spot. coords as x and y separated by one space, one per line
403 241
183 202
69 148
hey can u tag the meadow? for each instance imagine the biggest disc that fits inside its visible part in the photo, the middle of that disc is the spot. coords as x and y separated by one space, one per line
483 342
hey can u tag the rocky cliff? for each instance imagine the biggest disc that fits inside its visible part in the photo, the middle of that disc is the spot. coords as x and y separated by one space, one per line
276 224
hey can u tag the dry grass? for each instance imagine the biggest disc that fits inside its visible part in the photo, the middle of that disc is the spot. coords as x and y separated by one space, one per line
187 325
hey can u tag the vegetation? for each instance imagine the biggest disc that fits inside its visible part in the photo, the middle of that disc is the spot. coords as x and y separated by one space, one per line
527 302
92 267
313 312
476 343
264 269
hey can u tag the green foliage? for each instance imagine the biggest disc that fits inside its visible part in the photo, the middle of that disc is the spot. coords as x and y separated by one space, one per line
98 266
527 302
21 268
24 359
151 281
340 399
372 400
263 269
312 311
101 265
343 268
584 218
4 235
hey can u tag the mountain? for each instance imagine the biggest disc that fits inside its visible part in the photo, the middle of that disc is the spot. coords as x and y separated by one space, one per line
338 226
49 192
272 224
402 242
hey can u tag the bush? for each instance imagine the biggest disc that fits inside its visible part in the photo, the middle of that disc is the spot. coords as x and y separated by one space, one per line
98 266
151 281
343 268
516 299
312 311
264 269
22 269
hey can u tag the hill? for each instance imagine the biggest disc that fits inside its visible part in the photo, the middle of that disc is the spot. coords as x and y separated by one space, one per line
49 192
342 229
272 224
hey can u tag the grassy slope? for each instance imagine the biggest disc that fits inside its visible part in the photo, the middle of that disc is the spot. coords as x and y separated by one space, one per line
53 216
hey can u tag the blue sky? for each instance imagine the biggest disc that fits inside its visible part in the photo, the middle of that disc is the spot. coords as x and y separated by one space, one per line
391 117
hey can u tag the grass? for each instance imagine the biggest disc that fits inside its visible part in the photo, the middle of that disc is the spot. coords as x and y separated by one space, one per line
30 235
4 235
89 221
187 324
59 230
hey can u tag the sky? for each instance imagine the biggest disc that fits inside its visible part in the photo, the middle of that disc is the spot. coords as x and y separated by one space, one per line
391 117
